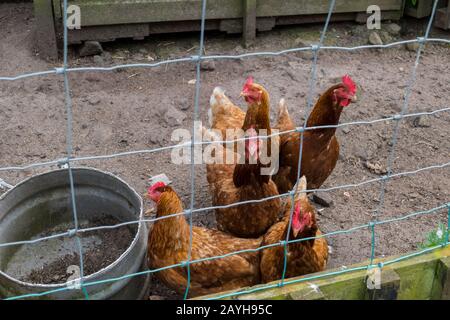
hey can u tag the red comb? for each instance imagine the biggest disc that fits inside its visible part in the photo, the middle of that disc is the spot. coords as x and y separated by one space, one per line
155 186
348 82
249 82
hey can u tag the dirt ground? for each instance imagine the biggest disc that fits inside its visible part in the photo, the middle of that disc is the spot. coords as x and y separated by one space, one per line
126 110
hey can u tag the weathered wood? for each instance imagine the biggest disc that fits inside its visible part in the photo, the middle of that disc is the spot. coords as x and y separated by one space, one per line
104 20
107 12
292 7
443 17
417 280
425 276
422 10
109 33
389 286
249 24
445 279
45 29
361 17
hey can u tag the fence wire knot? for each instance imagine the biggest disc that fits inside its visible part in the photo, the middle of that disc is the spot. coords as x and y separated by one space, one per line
315 46
72 232
185 263
195 58
300 129
60 70
421 39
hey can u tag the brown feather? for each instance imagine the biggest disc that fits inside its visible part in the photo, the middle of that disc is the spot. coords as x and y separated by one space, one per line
304 257
169 243
320 146
231 183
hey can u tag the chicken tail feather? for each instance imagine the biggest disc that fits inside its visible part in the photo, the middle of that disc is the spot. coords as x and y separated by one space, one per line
282 109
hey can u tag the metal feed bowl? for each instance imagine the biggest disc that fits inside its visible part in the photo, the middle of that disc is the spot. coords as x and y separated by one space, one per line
39 204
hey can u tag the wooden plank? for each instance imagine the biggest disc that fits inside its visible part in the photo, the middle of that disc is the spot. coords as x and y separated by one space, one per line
295 7
249 24
418 278
106 12
423 9
443 18
45 29
445 280
389 286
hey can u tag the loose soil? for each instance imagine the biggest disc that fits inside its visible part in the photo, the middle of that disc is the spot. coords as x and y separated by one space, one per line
109 245
127 110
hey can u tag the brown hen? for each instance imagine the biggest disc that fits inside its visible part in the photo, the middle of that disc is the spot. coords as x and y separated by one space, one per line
320 146
303 257
168 244
245 180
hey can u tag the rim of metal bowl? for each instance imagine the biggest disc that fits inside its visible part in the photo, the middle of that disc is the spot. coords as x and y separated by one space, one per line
101 271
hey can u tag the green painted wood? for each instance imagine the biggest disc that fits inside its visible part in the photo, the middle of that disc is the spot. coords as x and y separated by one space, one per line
413 286
389 286
425 276
445 279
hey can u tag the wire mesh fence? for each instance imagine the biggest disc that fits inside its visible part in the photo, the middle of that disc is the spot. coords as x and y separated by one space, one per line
69 160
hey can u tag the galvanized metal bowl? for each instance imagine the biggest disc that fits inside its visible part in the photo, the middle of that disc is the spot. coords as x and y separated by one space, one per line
42 202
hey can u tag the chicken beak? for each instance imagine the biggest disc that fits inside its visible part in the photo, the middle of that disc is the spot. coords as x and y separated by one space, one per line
295 232
242 94
354 99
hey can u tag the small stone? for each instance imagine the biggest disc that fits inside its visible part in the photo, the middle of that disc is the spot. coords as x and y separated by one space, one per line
375 167
93 101
238 49
84 126
143 51
412 46
90 48
421 122
98 60
155 297
95 77
208 65
107 56
174 117
386 37
324 199
157 140
184 104
393 29
346 130
374 38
